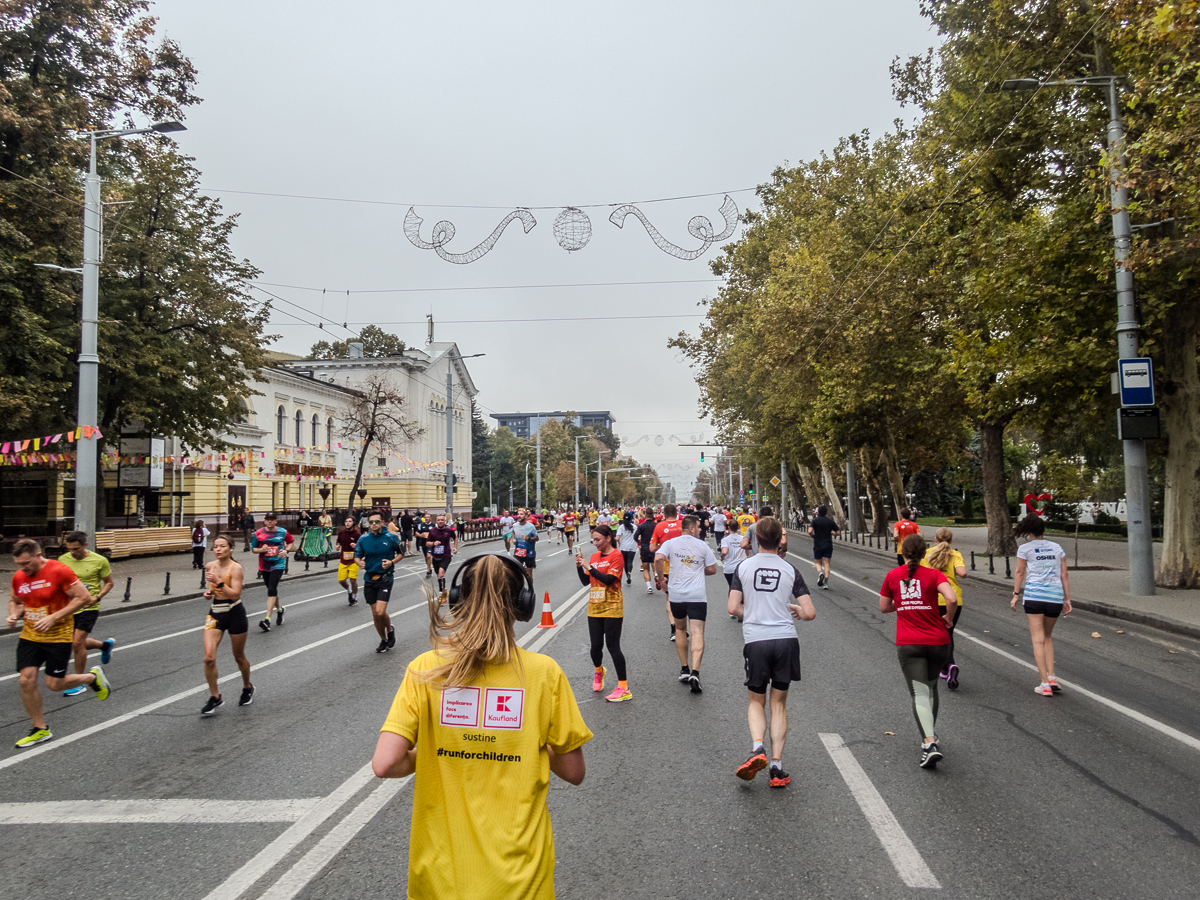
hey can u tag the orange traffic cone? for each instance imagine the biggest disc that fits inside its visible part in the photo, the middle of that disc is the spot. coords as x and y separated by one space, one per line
547 617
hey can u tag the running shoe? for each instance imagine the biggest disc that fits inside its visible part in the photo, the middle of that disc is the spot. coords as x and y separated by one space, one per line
694 682
383 646
247 696
649 588
213 704
780 778
751 767
102 686
628 580
279 616
952 677
820 581
930 756
619 693
106 652
942 674
391 638
265 624
354 600
35 736
429 574
1044 691
1054 685
685 676
75 691
598 681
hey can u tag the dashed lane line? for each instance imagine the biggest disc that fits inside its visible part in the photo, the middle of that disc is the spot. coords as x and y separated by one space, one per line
910 865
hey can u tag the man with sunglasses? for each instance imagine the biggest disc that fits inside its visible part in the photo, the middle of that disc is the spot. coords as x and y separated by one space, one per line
376 554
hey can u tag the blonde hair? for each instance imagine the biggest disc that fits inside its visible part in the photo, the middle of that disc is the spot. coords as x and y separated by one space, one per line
480 631
939 557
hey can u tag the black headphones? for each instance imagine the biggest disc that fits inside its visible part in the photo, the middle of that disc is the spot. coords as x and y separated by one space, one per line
523 604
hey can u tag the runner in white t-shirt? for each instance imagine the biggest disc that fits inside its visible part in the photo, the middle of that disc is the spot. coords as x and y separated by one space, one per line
730 548
1042 570
690 560
718 526
506 530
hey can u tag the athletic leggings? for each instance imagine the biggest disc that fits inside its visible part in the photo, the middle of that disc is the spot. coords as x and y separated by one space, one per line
629 555
921 665
606 630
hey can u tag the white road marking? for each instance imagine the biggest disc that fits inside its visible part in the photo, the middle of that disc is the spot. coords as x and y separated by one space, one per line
539 639
156 812
263 861
167 701
1161 727
904 855
294 880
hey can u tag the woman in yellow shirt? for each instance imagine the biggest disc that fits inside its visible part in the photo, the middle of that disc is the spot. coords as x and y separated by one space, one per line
481 724
949 562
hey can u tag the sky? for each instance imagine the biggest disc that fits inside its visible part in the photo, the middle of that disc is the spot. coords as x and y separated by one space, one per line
467 111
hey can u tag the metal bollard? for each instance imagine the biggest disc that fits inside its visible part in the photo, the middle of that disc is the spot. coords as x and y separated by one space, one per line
325 560
991 564
307 560
1007 570
203 583
128 590
972 560
167 588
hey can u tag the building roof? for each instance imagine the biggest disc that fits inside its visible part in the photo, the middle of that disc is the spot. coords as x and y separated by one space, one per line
559 414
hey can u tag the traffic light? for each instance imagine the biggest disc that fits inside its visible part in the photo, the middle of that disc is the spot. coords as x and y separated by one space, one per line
701 456
750 491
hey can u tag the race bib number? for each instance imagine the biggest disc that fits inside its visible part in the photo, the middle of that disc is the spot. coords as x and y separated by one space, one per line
272 551
521 553
439 550
596 593
347 556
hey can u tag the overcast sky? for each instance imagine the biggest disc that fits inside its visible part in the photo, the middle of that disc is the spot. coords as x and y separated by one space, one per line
521 104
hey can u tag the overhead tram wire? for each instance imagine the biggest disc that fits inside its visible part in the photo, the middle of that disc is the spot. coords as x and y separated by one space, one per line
501 287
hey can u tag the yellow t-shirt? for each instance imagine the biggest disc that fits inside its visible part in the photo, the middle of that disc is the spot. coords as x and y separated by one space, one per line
91 570
480 824
592 517
744 521
956 559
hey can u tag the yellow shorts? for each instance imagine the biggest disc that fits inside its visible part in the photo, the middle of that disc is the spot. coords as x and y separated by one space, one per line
347 571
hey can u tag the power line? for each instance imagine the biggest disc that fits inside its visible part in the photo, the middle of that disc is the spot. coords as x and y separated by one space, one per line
501 287
471 206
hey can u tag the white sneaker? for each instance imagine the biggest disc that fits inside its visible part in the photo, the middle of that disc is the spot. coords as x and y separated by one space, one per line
649 589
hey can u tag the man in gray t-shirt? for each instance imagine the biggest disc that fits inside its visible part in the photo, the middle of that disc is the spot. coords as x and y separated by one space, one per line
750 538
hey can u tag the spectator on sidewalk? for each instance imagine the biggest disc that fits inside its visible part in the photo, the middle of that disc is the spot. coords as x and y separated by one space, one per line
199 543
247 526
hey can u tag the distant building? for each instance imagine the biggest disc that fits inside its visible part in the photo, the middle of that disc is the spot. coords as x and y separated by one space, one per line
528 424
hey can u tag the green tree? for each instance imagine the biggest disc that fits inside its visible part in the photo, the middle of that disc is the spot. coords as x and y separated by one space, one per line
376 342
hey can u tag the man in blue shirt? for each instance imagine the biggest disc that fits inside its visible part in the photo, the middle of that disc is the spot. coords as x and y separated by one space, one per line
272 543
376 554
526 534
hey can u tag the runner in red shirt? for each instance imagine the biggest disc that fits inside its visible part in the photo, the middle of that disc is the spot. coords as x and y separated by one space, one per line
666 529
903 529
46 593
922 635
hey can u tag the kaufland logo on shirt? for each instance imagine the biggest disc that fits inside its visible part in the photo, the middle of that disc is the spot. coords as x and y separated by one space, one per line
504 708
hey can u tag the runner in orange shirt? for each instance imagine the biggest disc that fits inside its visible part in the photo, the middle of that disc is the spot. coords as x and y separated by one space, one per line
903 529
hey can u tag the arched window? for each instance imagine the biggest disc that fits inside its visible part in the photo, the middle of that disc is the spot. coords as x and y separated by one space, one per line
299 428
280 425
316 430
329 433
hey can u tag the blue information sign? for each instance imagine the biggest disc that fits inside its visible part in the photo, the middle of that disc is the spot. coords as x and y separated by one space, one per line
1136 378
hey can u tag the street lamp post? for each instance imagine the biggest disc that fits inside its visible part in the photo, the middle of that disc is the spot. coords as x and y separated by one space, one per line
450 432
86 462
1137 473
578 438
527 485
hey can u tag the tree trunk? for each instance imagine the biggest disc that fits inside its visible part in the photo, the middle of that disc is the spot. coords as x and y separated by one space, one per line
811 489
995 496
891 461
1180 564
362 458
798 492
870 480
835 502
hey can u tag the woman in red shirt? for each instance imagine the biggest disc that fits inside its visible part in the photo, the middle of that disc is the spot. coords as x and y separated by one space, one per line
922 635
606 608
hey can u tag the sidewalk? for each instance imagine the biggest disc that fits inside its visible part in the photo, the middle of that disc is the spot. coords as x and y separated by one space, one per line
1099 585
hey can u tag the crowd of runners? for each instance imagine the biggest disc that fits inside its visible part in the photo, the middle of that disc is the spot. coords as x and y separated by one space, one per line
59 600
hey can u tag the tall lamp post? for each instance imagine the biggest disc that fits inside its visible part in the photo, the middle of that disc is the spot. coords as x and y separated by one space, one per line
578 438
86 463
450 479
1137 473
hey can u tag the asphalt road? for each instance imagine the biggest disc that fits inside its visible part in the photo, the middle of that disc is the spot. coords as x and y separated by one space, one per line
1095 793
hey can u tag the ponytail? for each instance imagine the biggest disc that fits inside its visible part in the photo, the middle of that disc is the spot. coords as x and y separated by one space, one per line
913 551
940 557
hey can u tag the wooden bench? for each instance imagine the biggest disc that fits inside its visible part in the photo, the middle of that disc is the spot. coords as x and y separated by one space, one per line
121 543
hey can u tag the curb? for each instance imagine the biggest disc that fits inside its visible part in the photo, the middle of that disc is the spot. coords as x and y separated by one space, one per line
1164 623
121 607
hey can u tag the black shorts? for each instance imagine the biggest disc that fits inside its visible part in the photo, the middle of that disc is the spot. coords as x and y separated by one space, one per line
86 620
442 563
729 579
377 591
56 656
529 562
775 662
271 578
233 621
406 536
697 612
647 557
822 551
1032 608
